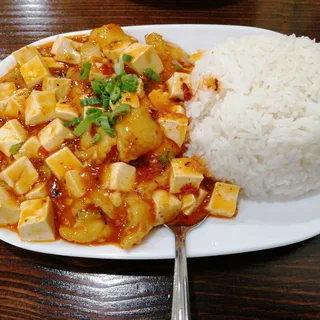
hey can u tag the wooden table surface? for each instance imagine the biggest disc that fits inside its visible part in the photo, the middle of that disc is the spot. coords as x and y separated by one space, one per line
282 283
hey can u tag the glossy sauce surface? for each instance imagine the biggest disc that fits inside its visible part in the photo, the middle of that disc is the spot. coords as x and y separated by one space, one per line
149 166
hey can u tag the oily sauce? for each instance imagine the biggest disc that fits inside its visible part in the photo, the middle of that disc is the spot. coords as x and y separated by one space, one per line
148 167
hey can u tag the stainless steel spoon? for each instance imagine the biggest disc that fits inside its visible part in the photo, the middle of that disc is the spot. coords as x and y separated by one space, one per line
180 300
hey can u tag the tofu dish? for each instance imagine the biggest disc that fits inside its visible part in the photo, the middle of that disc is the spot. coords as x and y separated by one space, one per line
93 135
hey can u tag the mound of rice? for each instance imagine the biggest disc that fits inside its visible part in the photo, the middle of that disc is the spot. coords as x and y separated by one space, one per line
262 129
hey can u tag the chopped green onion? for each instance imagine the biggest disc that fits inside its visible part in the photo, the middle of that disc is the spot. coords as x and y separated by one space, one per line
74 122
115 95
129 83
105 124
121 110
98 86
109 88
15 148
178 67
106 102
170 155
85 69
101 118
152 75
96 138
89 101
93 113
82 127
126 57
166 157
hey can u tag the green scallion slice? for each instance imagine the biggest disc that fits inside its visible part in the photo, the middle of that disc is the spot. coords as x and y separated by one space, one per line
118 112
15 148
170 155
126 57
152 75
106 102
178 67
166 157
129 83
105 124
90 101
96 138
98 86
82 127
115 95
93 113
84 71
73 122
109 88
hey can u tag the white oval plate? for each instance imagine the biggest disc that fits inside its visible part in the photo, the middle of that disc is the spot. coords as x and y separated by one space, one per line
259 225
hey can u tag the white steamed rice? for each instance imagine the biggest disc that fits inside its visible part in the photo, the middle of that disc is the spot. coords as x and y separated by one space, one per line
262 131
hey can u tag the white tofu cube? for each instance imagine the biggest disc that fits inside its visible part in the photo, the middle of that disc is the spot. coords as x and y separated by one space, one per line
62 161
52 63
160 100
11 133
190 202
15 105
25 54
130 98
20 175
74 183
34 71
118 176
39 191
29 149
65 111
116 198
183 174
70 135
60 86
36 221
90 52
177 108
40 107
174 127
167 206
65 50
53 135
113 50
143 56
175 84
9 208
108 33
7 89
223 201
60 41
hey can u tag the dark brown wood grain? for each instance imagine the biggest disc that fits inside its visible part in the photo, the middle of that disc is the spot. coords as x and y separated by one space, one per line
276 284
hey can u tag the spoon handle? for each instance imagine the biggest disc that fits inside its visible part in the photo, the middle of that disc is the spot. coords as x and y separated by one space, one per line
180 300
